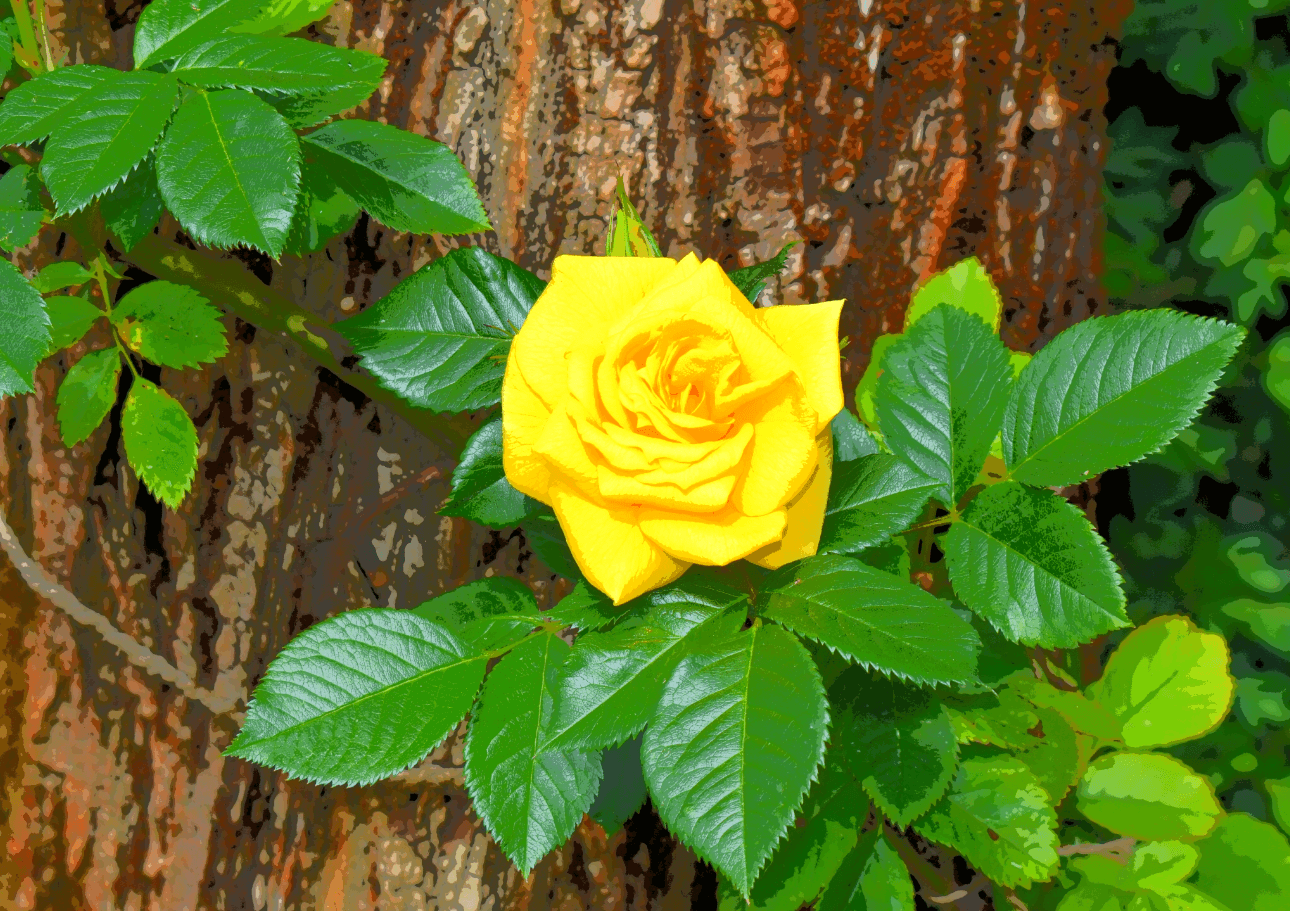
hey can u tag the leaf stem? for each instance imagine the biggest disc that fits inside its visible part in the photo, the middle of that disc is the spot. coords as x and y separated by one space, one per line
44 35
928 876
101 278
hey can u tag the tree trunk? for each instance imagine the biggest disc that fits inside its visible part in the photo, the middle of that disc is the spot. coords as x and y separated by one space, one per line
893 138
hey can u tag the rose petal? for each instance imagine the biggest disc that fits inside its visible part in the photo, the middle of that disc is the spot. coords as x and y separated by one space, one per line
808 334
561 446
713 540
525 417
783 451
805 513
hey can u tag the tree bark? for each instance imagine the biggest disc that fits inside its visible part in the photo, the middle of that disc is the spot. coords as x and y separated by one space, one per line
893 138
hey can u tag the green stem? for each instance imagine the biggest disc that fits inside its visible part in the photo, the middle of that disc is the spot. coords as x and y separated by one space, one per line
22 22
44 34
930 878
100 277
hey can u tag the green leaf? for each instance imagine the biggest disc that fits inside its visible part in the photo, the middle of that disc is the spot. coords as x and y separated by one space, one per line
868 384
813 850
622 790
1148 796
628 235
733 745
70 318
160 441
530 798
1245 864
873 878
21 213
304 111
251 164
168 28
1080 712
1232 227
587 608
486 615
942 396
24 331
171 325
359 697
610 686
1056 754
851 440
871 499
997 816
480 490
874 619
1001 719
1111 390
1031 564
32 110
966 286
751 280
283 66
440 338
282 17
1279 800
1167 682
98 143
132 209
323 211
896 739
545 538
407 182
62 274
87 394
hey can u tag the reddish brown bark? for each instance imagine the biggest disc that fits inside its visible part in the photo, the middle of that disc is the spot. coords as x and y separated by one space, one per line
891 137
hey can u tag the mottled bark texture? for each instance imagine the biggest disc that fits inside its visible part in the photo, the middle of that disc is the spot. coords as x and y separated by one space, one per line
891 137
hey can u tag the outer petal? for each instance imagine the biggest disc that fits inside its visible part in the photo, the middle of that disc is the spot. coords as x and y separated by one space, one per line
586 294
610 548
808 334
713 540
564 451
805 513
524 417
783 451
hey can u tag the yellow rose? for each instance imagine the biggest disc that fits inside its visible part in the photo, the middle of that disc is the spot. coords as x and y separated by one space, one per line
669 422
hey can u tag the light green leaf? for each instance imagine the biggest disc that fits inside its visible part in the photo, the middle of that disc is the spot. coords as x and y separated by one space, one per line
1279 800
610 686
997 816
440 338
1056 754
1111 390
21 212
530 798
282 17
874 619
1276 137
733 745
407 182
132 209
871 499
1148 796
87 394
751 280
160 441
1000 719
480 490
105 136
1231 227
1245 864
851 440
323 211
1034 567
942 396
622 789
24 331
1091 897
486 615
168 28
897 739
282 66
1081 713
628 235
359 697
62 274
70 318
171 325
868 384
32 110
251 162
967 286
873 878
1167 682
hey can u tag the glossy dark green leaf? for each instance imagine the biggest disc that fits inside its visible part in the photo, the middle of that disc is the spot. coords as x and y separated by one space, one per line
407 182
440 338
587 608
69 319
24 331
282 66
734 744
282 17
487 615
751 280
132 209
546 539
323 212
1111 390
32 110
480 490
359 697
160 441
171 325
251 162
851 439
105 136
21 212
874 619
942 395
304 111
87 394
168 28
1034 567
530 798
622 789
871 499
896 739
872 878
